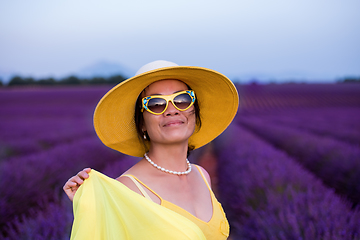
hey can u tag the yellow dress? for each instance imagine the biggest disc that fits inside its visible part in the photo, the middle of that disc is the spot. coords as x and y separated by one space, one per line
104 208
217 228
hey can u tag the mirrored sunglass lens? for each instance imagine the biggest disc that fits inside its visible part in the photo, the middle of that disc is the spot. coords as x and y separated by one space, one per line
156 105
182 101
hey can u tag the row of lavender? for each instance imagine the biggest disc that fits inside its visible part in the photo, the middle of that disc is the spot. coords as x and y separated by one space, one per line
273 195
268 195
335 162
52 219
269 97
29 183
45 122
340 123
46 137
38 119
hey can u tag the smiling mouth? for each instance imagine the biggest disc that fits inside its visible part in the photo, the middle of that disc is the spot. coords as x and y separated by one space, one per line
173 123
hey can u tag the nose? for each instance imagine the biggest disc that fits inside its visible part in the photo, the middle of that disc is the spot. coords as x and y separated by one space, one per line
171 110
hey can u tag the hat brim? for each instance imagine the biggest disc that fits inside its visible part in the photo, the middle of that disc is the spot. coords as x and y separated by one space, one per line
114 115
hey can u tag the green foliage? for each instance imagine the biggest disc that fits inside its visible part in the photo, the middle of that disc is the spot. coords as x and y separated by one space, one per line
47 81
71 80
97 80
116 79
17 80
350 80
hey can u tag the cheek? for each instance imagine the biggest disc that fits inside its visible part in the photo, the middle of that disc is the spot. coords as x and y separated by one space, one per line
191 116
145 120
149 120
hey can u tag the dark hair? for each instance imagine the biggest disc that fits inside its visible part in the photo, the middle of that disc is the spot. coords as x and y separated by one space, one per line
139 121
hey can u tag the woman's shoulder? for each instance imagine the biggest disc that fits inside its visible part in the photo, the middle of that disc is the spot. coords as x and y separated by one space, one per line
136 170
127 178
127 181
203 172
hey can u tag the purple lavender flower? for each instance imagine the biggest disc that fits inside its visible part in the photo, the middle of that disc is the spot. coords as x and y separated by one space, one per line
268 195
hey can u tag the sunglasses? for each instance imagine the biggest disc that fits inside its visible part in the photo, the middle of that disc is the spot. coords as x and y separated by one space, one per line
157 104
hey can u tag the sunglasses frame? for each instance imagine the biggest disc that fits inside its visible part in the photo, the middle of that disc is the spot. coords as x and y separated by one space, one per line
168 98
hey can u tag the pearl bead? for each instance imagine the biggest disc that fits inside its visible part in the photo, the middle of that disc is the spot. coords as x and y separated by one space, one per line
169 171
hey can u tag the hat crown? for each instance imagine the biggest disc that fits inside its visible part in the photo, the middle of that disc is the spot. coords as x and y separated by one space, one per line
155 65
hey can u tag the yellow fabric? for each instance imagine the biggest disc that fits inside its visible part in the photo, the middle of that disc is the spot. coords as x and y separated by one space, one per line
216 229
106 209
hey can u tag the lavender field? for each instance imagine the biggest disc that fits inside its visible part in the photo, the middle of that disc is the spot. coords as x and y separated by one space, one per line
288 167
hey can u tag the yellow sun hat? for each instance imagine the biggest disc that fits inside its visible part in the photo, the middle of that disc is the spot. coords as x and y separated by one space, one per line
217 97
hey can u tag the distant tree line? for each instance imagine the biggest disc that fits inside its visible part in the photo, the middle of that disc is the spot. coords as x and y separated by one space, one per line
113 80
71 80
350 80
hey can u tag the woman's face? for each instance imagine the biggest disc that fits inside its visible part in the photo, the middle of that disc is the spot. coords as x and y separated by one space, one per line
173 126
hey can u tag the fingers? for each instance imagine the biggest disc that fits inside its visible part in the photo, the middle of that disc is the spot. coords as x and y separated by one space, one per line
71 183
71 186
78 180
84 174
74 182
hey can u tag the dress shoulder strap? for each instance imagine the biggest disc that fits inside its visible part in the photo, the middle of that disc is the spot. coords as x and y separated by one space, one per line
204 178
141 188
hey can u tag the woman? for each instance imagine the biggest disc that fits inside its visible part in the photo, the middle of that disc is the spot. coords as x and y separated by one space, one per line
162 113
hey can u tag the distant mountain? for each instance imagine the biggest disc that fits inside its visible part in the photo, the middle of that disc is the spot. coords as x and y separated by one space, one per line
104 69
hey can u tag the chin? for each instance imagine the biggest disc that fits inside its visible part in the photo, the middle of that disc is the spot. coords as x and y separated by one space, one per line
177 137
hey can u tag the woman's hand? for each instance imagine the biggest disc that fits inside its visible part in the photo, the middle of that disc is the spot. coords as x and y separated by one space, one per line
72 185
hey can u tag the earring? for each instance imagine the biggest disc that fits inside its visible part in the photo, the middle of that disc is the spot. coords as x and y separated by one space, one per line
144 136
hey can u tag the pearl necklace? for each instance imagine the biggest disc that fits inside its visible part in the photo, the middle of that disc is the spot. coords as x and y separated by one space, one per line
169 171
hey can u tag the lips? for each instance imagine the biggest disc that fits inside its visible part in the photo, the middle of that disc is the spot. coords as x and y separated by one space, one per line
173 123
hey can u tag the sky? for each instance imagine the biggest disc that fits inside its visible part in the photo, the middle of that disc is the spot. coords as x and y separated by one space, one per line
267 40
